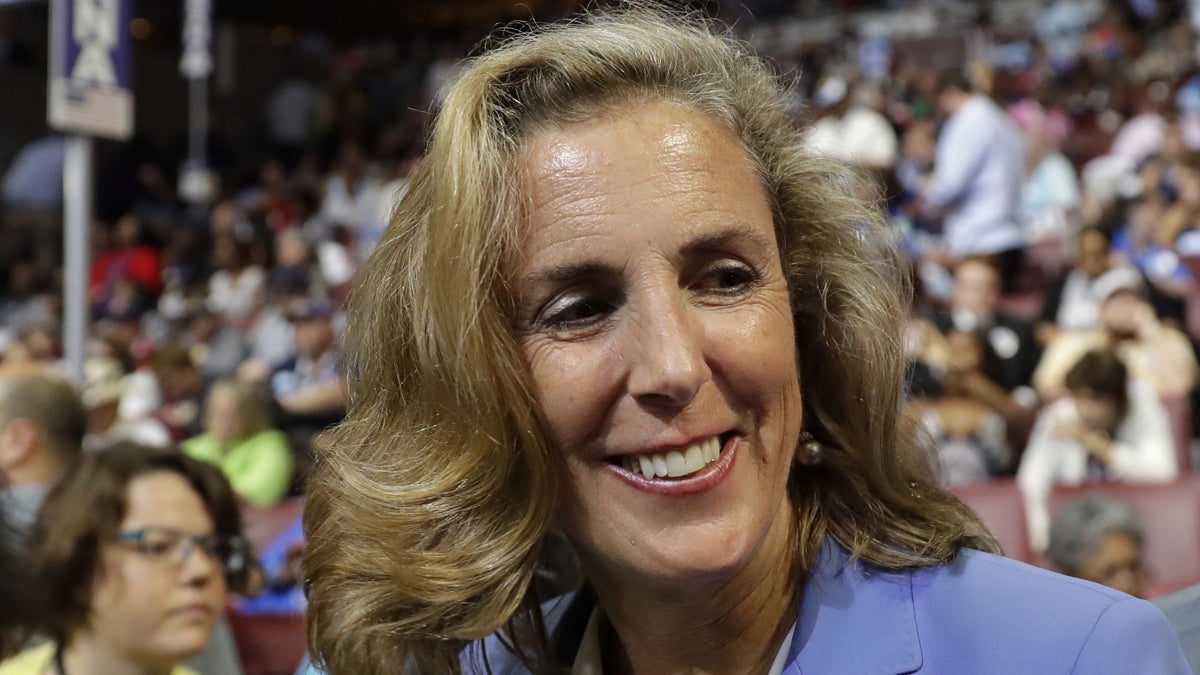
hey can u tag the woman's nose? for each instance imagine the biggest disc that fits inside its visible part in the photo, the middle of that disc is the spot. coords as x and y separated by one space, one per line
669 360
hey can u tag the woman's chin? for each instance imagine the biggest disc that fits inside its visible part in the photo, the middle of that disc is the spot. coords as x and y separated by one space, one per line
690 564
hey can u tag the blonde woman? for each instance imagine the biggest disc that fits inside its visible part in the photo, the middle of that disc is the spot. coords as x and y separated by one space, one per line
239 438
620 302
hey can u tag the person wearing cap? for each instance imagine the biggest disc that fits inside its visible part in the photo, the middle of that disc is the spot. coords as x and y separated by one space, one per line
308 385
1155 353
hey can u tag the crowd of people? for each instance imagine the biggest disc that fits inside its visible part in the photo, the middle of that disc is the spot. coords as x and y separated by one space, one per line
1047 194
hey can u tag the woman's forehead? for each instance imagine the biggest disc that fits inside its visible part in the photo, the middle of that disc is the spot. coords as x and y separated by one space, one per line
165 499
617 176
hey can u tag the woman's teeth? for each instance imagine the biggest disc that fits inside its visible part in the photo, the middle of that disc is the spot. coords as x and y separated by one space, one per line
674 464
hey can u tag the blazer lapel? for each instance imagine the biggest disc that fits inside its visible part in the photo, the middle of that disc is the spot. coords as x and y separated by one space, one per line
856 619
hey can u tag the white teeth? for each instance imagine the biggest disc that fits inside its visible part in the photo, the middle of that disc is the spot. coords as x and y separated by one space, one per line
647 465
674 464
660 465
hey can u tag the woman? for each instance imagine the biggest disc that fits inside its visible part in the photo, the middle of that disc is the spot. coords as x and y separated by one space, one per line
133 552
239 439
616 262
1105 428
1099 538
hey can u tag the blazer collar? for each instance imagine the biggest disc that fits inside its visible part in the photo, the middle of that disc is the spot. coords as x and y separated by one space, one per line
855 618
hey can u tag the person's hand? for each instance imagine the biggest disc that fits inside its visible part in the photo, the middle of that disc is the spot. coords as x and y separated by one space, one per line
1097 443
253 371
1145 321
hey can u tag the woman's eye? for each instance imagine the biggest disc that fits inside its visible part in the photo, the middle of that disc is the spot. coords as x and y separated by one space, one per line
572 311
728 278
156 548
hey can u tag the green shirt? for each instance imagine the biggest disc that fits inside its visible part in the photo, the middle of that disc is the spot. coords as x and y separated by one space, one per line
259 467
36 661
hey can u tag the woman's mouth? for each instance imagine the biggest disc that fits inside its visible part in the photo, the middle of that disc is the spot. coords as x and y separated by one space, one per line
698 468
673 464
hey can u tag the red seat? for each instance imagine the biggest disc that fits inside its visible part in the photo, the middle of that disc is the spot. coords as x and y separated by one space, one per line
1000 505
1170 513
268 644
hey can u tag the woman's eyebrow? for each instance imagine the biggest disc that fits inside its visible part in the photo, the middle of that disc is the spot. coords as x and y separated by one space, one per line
574 271
723 238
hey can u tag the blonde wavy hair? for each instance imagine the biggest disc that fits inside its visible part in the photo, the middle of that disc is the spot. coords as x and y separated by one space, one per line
430 505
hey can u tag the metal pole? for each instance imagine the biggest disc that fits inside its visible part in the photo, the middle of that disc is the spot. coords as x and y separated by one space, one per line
198 121
77 217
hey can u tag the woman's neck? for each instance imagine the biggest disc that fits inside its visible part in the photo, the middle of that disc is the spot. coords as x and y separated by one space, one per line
88 656
733 626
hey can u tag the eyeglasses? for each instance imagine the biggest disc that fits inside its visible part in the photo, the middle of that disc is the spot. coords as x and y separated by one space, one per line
172 547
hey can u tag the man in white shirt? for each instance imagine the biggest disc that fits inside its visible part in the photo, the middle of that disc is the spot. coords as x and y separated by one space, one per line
978 173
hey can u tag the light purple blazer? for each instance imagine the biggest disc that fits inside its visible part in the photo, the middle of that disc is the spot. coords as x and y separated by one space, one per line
979 614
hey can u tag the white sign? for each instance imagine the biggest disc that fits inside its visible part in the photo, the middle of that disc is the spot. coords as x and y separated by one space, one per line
90 89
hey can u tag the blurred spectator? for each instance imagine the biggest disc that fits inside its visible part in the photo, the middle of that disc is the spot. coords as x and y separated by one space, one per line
1155 353
1141 244
25 300
978 172
853 129
970 437
309 386
126 280
181 387
352 197
38 342
1106 428
1050 196
1099 538
1072 304
104 386
216 347
132 555
235 290
238 437
1141 135
42 422
1010 347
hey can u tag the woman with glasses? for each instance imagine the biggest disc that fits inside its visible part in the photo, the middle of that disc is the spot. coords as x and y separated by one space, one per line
132 554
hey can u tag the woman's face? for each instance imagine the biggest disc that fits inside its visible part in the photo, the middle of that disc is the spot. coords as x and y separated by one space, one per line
1096 411
148 610
222 416
1117 563
654 314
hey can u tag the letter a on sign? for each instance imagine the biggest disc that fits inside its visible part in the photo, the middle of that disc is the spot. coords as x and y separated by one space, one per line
95 32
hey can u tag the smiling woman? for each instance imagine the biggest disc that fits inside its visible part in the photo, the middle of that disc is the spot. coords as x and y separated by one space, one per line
621 303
